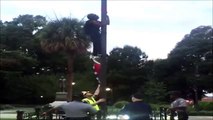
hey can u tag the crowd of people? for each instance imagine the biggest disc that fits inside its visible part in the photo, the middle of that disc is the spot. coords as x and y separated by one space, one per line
86 106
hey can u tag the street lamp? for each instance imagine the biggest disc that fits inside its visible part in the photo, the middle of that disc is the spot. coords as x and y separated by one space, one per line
108 89
73 83
109 95
103 56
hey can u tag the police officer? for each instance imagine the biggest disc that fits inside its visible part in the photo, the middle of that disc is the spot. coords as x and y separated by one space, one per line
75 110
91 99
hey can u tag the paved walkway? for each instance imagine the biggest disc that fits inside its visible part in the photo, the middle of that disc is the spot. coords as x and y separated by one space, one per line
13 116
200 117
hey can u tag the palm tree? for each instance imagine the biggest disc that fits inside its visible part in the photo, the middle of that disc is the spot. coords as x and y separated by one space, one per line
65 35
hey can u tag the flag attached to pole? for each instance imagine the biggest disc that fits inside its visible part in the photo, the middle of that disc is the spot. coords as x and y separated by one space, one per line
96 68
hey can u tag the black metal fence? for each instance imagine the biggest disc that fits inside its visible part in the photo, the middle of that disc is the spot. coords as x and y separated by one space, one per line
160 114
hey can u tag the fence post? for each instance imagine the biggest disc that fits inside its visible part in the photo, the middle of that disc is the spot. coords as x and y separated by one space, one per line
37 112
165 114
161 110
19 115
50 116
154 114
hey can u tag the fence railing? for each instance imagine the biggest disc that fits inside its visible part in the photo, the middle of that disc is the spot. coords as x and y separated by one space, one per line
160 114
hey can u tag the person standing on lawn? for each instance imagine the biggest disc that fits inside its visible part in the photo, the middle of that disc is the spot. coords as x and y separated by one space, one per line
178 105
137 109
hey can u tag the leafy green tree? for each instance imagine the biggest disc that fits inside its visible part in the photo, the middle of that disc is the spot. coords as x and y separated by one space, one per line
126 58
18 34
65 35
192 48
16 61
17 51
30 23
154 91
124 70
22 56
18 43
191 60
28 89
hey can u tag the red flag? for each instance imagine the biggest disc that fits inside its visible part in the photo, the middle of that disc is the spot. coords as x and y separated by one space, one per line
96 68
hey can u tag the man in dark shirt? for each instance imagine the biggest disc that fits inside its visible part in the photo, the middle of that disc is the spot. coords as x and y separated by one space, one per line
137 110
92 29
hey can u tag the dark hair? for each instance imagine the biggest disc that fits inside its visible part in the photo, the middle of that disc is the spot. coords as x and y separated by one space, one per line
77 97
138 95
86 92
92 16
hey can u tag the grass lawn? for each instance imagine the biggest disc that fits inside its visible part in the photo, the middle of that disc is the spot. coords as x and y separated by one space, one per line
11 113
8 118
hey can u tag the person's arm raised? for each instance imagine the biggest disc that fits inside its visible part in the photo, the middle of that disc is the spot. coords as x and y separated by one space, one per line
97 91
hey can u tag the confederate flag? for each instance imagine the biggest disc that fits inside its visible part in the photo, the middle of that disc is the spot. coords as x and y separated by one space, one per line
96 68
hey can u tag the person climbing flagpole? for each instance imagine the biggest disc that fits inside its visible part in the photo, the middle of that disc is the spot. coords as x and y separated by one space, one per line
92 29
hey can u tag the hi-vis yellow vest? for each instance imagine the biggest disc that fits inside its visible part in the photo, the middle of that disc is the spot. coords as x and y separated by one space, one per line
92 102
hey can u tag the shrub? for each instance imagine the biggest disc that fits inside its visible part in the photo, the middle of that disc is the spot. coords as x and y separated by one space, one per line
112 110
120 104
156 107
154 91
200 113
6 106
208 106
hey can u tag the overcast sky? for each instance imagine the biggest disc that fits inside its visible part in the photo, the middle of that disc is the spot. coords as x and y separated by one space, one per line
154 26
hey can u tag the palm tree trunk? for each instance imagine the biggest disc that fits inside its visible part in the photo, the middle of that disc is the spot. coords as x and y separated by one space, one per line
70 77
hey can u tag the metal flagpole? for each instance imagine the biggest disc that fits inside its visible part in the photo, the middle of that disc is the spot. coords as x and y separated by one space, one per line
103 51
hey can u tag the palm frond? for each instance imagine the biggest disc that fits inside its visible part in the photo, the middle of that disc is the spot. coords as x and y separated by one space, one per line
64 34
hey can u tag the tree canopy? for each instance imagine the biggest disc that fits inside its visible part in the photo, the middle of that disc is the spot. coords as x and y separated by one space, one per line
35 53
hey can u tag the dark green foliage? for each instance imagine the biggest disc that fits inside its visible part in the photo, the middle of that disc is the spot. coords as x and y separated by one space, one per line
191 61
206 106
200 113
85 81
154 92
16 60
27 72
6 106
64 35
126 58
124 71
203 109
120 104
19 33
28 89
